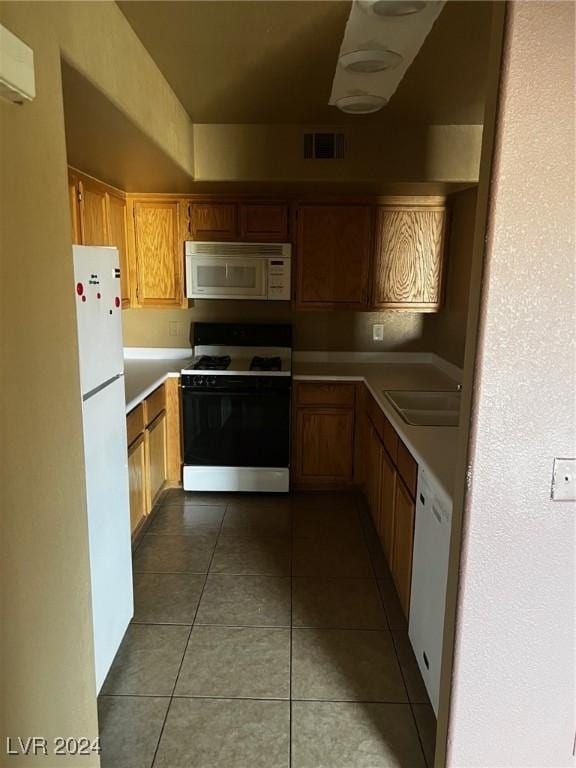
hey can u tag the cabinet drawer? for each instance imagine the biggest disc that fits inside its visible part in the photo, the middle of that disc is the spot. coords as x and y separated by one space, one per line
334 395
155 404
135 423
407 467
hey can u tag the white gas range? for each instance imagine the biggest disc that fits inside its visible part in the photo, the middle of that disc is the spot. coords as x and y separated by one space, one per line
236 408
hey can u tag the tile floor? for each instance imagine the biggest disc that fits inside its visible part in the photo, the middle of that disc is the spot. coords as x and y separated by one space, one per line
266 634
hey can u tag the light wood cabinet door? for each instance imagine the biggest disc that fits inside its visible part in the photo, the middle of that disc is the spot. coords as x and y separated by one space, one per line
404 514
387 501
324 446
374 461
93 214
333 256
264 222
118 234
409 256
157 460
159 254
74 202
214 221
137 474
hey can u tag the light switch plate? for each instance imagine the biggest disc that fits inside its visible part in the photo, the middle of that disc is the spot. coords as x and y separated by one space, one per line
377 332
564 480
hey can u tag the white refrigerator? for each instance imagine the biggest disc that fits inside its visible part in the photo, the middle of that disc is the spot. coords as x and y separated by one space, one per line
98 315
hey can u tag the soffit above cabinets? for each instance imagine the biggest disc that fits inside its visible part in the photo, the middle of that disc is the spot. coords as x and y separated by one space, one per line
391 42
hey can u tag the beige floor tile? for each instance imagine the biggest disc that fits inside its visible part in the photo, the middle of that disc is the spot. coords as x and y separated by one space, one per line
130 728
181 519
147 661
236 662
259 520
345 665
256 555
330 557
350 735
326 523
253 601
394 612
201 733
166 598
175 554
337 603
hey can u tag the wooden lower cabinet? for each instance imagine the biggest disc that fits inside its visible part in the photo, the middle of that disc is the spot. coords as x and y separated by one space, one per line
388 479
137 473
157 459
404 516
153 429
373 477
323 433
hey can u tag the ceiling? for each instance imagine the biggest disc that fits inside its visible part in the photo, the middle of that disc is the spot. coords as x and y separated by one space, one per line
273 61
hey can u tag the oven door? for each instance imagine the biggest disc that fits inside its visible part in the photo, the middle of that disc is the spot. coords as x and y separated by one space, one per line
243 422
226 277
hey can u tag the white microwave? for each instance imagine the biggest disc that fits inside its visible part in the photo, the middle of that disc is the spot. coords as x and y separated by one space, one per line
238 270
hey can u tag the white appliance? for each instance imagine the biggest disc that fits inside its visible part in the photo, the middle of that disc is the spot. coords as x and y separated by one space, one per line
238 270
98 308
17 83
429 577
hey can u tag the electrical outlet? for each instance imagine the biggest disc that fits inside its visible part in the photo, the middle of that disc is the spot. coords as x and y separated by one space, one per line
564 480
175 328
377 332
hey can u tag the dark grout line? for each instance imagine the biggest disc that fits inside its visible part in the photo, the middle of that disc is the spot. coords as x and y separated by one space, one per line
185 649
291 636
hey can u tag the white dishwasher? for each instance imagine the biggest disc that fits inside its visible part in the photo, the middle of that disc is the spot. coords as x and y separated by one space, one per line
429 575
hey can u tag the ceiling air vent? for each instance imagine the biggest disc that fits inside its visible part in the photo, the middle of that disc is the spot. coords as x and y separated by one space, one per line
324 146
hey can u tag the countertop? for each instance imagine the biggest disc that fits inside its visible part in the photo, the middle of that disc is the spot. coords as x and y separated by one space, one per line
434 448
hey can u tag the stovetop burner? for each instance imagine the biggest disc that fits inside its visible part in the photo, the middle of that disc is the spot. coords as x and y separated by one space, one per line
266 364
213 363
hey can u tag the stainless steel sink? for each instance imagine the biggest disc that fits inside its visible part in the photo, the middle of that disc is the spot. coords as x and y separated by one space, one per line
431 409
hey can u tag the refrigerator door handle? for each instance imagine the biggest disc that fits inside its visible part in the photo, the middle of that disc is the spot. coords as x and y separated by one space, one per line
100 387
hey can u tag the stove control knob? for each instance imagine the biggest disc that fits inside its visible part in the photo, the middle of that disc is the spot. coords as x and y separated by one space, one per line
212 381
198 381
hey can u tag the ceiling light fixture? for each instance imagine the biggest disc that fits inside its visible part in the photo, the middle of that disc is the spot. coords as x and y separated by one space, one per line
394 8
369 60
361 103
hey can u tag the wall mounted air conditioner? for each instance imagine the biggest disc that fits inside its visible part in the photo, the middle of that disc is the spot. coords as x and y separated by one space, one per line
17 83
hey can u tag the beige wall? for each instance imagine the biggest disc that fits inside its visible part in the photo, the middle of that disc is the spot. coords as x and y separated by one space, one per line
46 673
312 330
513 698
445 332
398 153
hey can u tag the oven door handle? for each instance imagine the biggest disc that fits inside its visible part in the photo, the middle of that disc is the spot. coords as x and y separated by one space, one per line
236 392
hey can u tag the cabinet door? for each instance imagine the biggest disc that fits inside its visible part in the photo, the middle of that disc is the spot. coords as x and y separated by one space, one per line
93 214
156 434
159 254
408 262
374 460
74 201
137 481
324 445
333 256
118 233
214 221
264 222
404 512
387 499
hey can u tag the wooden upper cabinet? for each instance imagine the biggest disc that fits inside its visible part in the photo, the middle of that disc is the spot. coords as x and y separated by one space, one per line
118 233
264 222
214 221
333 256
159 253
74 202
408 260
93 214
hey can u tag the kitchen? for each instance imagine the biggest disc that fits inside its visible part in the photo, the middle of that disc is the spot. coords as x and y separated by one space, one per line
295 325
